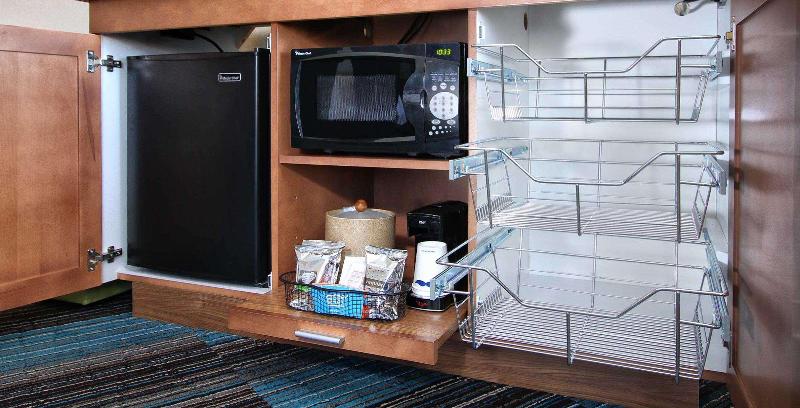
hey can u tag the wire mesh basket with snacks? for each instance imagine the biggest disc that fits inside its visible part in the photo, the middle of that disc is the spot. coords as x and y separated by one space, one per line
339 300
368 287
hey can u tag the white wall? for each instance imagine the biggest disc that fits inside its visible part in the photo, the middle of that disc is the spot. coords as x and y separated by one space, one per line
60 15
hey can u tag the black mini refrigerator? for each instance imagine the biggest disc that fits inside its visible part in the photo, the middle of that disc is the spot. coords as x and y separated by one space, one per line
198 165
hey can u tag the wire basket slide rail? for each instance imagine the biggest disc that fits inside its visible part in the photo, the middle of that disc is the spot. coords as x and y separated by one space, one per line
596 204
633 335
643 89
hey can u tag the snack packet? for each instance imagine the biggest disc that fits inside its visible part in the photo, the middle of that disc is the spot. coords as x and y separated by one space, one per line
353 273
385 267
318 261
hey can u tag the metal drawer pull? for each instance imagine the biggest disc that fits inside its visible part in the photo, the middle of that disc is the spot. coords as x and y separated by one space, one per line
322 338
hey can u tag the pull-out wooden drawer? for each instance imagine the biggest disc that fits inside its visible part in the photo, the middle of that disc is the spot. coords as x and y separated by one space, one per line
416 337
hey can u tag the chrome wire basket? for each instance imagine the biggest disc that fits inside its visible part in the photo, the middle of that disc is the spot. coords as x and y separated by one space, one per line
649 189
612 301
665 83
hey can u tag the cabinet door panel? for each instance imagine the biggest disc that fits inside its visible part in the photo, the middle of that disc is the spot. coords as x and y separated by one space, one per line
49 164
766 203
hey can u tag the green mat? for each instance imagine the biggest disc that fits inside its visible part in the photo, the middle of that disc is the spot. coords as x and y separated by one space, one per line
104 291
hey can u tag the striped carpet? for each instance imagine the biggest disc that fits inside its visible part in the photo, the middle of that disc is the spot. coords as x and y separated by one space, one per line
61 355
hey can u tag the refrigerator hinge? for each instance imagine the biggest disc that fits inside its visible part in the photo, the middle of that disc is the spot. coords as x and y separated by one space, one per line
94 257
266 284
93 61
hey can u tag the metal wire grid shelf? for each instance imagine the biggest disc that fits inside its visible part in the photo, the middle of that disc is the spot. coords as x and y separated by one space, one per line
650 87
663 328
611 194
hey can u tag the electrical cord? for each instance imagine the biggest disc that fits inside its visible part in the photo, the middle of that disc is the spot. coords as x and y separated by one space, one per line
209 40
416 26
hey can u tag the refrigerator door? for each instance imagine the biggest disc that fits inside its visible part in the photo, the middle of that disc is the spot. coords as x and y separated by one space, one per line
198 165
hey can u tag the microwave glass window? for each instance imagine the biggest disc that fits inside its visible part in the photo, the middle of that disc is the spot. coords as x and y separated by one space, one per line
360 98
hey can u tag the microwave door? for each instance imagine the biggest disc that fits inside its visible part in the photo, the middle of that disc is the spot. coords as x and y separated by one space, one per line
415 99
359 101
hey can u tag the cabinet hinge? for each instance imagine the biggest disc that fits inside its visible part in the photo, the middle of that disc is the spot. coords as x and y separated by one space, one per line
730 36
93 61
94 257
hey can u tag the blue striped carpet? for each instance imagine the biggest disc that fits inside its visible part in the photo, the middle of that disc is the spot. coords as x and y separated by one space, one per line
61 355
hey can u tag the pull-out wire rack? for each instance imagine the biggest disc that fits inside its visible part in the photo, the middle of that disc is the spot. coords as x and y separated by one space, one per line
648 189
659 85
626 306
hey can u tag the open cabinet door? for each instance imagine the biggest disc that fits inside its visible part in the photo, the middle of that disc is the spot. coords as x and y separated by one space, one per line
50 186
766 222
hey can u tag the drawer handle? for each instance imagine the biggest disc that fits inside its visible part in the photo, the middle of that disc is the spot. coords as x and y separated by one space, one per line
322 338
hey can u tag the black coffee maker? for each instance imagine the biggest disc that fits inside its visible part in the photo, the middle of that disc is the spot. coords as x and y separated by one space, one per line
446 222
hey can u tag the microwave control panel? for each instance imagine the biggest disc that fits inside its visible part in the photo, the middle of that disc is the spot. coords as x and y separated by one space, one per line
442 87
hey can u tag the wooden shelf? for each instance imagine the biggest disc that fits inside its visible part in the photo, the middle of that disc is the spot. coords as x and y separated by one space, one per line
416 337
365 161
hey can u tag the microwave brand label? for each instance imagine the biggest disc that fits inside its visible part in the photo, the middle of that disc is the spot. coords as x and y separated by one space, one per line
229 77
302 52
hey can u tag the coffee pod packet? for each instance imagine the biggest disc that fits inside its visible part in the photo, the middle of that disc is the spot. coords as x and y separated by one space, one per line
318 261
385 267
353 273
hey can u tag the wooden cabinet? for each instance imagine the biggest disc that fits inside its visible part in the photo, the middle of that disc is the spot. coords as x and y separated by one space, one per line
50 195
766 254
49 164
117 16
306 185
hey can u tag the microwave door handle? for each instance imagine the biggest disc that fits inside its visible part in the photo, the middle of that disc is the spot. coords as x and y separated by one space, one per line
422 96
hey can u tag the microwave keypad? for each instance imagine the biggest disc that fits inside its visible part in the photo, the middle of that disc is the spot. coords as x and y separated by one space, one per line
444 105
442 81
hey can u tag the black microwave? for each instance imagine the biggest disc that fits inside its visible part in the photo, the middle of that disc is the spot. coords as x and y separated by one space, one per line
407 99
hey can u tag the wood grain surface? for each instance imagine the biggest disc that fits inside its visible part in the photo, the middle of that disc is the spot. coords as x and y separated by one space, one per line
311 159
416 337
193 308
766 226
110 16
49 164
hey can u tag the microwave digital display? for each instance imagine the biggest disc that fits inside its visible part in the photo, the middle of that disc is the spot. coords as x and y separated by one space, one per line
444 52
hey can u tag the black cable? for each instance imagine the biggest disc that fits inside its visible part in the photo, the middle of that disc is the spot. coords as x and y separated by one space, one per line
422 24
404 37
209 40
416 26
